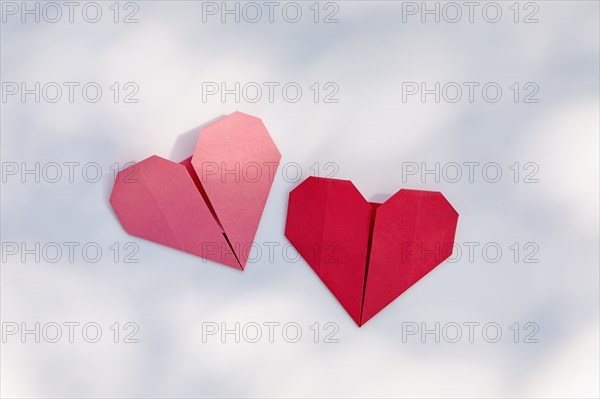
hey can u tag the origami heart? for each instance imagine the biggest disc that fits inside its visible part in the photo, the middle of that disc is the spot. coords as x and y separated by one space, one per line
210 204
367 254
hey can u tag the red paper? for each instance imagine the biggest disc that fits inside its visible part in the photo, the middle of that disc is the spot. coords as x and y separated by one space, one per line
208 205
368 254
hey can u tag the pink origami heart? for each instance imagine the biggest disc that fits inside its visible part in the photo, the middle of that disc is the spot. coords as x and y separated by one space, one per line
208 205
368 254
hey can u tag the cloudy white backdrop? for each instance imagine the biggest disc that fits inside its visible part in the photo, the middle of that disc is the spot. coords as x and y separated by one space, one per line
370 134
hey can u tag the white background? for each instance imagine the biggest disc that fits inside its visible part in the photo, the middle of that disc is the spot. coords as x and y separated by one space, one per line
371 135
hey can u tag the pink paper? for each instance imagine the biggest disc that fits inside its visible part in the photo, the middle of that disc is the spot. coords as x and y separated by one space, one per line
208 205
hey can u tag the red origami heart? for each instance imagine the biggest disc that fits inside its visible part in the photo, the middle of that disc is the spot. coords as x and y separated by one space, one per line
368 254
210 204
